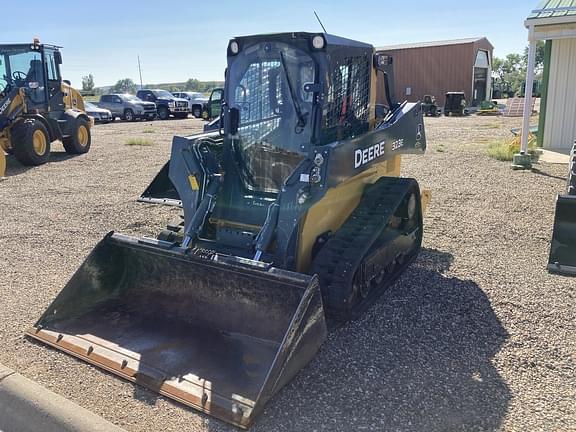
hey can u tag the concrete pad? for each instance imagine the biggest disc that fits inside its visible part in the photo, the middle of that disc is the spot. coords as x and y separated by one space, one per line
25 406
554 156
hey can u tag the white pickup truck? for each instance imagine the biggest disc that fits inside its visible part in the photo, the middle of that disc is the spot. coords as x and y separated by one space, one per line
195 100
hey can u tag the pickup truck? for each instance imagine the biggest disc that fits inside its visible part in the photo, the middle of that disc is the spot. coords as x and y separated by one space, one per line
196 101
128 107
166 103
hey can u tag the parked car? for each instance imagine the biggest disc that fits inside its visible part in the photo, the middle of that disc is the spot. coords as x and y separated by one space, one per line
195 100
166 103
100 115
128 107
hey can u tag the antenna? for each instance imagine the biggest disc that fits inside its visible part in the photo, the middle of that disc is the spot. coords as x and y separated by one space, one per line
322 25
140 71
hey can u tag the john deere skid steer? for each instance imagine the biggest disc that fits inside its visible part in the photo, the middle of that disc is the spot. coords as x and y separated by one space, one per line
293 211
563 248
37 107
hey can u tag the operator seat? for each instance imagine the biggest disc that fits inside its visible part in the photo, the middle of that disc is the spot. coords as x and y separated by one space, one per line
35 73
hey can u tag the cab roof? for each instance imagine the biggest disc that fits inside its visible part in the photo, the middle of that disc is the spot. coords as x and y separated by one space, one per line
331 40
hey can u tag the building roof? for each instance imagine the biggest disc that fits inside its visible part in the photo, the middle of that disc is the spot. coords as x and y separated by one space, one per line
554 9
432 43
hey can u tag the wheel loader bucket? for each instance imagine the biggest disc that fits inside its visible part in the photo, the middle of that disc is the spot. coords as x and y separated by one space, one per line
217 333
161 190
563 248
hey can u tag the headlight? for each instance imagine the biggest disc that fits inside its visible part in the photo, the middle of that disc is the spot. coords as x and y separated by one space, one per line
171 104
234 47
318 42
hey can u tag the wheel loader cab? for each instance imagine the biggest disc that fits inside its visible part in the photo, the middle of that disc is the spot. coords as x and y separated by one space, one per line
22 67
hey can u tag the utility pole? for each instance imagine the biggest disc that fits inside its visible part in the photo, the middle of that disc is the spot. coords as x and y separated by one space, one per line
140 71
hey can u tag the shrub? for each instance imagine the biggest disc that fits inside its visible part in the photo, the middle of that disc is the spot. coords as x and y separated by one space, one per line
506 149
139 142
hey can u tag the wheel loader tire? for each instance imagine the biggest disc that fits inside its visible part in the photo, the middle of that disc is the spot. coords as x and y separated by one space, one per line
31 142
80 139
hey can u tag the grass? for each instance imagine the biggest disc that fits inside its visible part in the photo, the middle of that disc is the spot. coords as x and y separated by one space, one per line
139 142
492 126
440 148
148 131
506 149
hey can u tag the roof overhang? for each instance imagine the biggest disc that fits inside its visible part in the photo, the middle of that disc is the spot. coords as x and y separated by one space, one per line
551 28
550 20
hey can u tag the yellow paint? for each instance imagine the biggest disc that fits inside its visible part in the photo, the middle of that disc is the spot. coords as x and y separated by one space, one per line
83 135
39 142
193 182
373 94
72 98
333 209
17 103
2 163
234 225
5 140
426 197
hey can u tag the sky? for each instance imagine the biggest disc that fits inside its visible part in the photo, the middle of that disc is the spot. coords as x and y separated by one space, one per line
178 39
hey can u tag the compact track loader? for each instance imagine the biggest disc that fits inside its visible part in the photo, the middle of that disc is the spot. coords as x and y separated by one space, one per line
562 258
37 107
293 211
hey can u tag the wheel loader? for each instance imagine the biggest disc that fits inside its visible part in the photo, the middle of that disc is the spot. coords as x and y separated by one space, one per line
293 213
37 107
562 259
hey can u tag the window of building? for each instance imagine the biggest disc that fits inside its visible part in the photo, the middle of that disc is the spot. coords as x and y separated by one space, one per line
482 60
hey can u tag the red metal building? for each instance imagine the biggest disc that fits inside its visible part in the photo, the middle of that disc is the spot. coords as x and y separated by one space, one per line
434 68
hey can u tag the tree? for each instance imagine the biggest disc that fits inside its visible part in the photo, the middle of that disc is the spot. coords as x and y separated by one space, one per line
193 84
510 72
125 85
539 63
88 83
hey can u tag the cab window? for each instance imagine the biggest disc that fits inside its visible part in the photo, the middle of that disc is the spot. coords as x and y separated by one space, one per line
51 66
217 95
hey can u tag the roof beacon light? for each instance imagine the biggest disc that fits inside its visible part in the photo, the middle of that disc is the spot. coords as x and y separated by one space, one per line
234 47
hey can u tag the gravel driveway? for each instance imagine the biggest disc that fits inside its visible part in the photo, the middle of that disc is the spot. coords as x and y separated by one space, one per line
475 336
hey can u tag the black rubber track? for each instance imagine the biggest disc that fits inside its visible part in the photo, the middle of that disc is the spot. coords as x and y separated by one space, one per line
344 253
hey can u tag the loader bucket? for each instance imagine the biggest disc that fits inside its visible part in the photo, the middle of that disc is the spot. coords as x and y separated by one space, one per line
161 190
217 333
563 248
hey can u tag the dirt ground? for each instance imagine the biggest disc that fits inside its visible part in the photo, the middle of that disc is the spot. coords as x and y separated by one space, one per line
476 336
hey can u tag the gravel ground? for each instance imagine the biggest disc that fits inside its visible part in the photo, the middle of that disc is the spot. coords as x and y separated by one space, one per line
475 336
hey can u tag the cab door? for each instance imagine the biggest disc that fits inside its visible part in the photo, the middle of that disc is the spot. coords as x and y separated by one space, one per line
215 103
52 61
